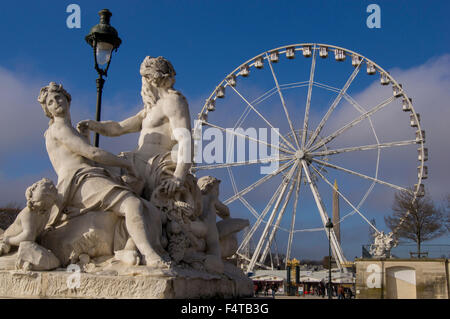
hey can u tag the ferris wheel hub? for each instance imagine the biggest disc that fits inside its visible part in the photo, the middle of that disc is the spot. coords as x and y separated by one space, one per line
300 154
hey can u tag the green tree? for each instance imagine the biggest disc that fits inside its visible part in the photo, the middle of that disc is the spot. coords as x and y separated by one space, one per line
424 222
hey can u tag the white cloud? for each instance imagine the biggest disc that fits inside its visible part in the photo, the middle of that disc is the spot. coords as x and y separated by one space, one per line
428 86
21 120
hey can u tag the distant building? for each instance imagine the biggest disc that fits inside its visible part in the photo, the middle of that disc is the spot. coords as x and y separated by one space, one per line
425 278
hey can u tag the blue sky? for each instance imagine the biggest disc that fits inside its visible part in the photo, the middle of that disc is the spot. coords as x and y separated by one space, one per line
205 40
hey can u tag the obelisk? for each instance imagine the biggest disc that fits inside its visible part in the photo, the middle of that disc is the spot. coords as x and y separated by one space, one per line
336 214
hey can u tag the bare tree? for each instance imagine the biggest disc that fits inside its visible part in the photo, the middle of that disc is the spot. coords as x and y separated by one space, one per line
424 222
8 214
447 211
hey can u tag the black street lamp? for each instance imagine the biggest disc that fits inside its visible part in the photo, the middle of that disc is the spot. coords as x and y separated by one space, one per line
103 38
329 225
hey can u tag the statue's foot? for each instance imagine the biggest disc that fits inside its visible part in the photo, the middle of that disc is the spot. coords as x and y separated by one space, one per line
159 262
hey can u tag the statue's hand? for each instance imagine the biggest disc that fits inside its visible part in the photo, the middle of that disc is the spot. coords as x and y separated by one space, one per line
171 185
84 126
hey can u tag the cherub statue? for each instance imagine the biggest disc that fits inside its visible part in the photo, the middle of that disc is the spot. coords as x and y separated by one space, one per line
220 237
31 221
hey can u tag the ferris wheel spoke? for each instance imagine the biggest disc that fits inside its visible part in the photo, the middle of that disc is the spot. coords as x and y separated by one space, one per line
259 182
349 125
260 218
359 174
262 117
337 251
251 162
282 101
308 99
326 87
261 241
336 101
277 223
249 207
344 198
364 148
231 131
294 213
268 94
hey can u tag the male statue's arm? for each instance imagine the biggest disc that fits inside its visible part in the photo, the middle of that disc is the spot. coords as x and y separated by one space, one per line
177 112
112 128
79 146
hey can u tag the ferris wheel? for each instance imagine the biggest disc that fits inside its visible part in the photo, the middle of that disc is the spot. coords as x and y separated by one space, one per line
320 131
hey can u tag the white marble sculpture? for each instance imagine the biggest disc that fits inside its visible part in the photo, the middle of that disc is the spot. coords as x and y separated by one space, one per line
128 214
163 123
221 241
29 224
382 245
85 186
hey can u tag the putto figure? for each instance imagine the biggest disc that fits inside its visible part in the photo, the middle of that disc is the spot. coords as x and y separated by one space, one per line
85 186
163 123
31 221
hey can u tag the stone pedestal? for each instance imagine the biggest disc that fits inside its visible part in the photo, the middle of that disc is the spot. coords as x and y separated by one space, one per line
140 282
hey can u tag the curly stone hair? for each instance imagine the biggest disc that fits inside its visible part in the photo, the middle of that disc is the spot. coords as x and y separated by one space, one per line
154 71
51 88
156 68
44 183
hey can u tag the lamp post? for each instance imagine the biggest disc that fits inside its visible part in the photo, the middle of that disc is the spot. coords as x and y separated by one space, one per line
288 278
103 38
329 226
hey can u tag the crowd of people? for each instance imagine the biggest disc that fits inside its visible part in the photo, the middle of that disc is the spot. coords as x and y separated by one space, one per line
338 291
320 289
266 289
